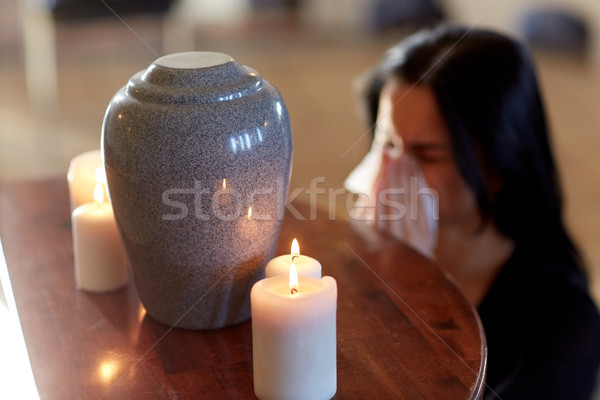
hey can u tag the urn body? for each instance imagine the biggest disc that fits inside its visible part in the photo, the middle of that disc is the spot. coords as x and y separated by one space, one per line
197 150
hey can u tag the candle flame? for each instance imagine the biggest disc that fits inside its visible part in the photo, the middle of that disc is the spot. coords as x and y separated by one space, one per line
98 193
250 212
295 248
293 279
224 184
100 175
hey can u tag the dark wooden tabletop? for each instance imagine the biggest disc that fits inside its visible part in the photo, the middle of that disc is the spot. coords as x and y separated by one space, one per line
404 330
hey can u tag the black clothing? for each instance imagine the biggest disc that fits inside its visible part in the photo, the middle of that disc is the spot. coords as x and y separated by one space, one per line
542 328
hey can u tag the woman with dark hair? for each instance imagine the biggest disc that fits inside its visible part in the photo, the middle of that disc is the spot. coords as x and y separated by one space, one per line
463 106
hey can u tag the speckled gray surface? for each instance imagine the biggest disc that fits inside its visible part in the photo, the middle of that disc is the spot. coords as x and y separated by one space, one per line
170 138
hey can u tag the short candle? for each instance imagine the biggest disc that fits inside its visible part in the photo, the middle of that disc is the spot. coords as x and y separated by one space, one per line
305 265
99 254
294 337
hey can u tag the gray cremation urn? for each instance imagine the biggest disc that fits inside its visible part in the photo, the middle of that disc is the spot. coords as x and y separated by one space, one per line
197 150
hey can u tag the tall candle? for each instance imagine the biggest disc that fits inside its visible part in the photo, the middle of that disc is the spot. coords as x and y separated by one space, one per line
305 265
82 177
294 337
99 255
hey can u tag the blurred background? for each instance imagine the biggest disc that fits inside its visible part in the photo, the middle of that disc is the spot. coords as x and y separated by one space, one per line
61 61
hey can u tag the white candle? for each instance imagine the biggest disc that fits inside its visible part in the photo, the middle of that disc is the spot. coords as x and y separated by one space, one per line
99 255
82 174
294 337
305 265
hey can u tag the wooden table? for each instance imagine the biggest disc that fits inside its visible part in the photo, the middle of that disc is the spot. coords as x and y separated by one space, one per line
404 330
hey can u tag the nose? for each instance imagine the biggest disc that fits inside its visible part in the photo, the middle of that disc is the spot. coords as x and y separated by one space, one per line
394 141
387 137
394 145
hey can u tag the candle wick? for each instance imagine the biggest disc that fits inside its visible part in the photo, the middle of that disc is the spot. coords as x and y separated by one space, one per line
294 290
294 257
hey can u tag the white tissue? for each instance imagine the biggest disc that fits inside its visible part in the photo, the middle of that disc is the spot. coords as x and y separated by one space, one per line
393 193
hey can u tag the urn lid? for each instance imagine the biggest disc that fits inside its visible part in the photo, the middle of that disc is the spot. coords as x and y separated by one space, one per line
194 77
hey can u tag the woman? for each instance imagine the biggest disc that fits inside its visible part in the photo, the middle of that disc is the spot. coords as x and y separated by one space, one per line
462 109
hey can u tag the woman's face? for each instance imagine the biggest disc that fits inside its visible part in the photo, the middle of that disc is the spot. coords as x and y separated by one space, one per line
417 127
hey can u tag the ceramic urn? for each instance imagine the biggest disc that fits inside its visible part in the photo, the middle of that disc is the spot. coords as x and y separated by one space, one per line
197 150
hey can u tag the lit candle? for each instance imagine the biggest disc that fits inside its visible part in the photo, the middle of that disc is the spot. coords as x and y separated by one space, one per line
99 254
81 176
305 265
294 337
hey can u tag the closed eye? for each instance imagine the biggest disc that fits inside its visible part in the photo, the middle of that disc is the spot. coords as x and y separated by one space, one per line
430 152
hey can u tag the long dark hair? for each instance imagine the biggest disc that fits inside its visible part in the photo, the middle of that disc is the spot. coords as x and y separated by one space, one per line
486 89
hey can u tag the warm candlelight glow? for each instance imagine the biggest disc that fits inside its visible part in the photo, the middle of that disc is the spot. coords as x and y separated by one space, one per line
295 248
224 184
250 212
107 370
100 175
141 313
293 279
98 194
84 172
